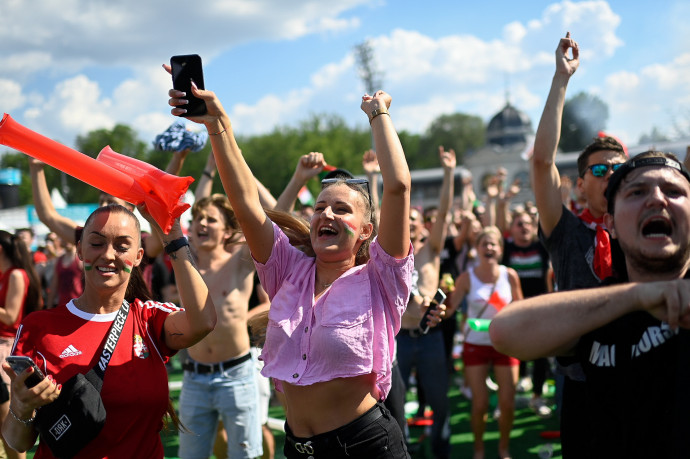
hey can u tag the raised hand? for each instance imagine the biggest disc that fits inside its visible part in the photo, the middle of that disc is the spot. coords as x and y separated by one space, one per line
448 160
309 166
370 162
564 64
213 106
380 99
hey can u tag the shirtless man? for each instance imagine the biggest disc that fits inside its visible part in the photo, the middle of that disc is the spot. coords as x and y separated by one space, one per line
425 352
219 376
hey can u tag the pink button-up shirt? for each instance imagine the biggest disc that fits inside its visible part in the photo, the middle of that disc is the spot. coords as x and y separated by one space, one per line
349 331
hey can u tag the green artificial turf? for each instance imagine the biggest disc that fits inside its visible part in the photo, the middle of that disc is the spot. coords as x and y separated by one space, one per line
526 439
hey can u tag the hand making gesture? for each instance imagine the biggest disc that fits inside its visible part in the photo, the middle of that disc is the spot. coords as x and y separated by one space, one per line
563 63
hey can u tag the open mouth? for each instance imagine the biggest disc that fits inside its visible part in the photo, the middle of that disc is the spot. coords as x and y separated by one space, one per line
327 231
106 269
657 227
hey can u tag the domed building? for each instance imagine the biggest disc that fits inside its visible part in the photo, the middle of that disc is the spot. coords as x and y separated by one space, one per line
509 127
509 142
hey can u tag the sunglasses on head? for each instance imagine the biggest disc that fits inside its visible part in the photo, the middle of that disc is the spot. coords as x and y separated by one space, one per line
600 170
360 184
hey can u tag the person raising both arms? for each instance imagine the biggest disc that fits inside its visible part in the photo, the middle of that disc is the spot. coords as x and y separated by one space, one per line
336 307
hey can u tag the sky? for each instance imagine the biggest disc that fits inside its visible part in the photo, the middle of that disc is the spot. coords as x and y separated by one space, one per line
73 66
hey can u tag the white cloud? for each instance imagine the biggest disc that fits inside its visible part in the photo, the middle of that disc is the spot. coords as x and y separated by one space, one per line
72 34
426 75
654 96
12 97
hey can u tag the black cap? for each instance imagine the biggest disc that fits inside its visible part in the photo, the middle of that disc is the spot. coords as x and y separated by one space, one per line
339 174
667 160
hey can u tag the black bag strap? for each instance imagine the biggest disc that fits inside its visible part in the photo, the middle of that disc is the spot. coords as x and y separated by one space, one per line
97 373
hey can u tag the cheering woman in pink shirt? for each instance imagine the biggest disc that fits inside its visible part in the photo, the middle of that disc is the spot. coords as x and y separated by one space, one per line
336 302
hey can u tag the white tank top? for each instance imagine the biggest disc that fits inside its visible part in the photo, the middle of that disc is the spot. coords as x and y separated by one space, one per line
477 298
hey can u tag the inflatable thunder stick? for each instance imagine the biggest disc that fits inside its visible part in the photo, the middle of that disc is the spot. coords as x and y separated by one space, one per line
121 176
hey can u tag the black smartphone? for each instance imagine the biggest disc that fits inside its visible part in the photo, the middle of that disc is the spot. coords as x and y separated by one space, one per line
185 69
19 363
439 298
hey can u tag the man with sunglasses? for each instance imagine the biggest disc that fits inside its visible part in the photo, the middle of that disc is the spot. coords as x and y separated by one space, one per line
579 246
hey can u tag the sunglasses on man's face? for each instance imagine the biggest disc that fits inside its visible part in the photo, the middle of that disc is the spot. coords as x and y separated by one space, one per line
600 170
359 184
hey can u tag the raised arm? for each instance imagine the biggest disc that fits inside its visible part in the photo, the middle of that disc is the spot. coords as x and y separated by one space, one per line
176 161
371 168
546 179
556 321
238 180
394 226
205 182
503 220
62 226
437 235
308 166
183 329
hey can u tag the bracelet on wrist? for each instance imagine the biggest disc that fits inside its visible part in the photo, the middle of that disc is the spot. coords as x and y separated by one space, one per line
217 133
26 422
176 244
207 174
377 112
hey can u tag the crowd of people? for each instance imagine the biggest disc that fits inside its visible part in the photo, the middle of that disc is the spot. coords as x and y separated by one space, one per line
320 306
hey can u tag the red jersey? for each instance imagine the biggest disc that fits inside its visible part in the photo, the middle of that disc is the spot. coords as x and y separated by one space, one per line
9 331
65 340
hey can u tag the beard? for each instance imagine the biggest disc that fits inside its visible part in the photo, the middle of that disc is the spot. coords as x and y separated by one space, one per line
673 263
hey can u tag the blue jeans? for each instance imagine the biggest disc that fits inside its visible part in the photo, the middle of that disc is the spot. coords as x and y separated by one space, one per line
232 395
426 353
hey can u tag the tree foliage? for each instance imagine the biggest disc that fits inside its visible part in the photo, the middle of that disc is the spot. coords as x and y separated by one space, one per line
458 131
584 115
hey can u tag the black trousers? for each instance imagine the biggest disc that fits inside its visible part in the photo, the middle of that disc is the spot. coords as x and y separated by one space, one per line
374 435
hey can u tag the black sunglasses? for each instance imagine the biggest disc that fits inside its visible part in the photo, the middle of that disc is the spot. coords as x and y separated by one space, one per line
360 184
600 170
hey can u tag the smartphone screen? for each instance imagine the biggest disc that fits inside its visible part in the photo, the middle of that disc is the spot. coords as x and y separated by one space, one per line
438 299
185 69
20 363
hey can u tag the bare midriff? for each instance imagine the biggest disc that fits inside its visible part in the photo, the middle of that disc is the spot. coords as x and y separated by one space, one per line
325 406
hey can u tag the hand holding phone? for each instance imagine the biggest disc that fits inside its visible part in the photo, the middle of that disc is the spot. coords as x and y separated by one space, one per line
439 298
19 363
185 69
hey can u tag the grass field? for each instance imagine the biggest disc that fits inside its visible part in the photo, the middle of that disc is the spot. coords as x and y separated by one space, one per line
526 438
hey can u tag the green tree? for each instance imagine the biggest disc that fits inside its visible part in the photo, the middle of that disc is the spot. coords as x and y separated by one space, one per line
584 115
458 131
272 157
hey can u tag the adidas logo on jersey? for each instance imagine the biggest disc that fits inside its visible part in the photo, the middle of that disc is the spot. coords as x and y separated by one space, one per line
70 351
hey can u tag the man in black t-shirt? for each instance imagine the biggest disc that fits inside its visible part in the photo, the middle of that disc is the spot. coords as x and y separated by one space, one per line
632 339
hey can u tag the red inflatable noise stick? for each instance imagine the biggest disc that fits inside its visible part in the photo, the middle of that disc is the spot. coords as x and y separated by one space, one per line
121 176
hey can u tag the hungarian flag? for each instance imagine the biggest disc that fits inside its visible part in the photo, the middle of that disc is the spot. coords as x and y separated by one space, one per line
326 169
305 197
496 301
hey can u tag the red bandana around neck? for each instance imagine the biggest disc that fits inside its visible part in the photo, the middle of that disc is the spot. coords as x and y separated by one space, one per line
602 245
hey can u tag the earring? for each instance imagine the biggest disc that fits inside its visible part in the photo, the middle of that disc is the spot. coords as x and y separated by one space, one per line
361 236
